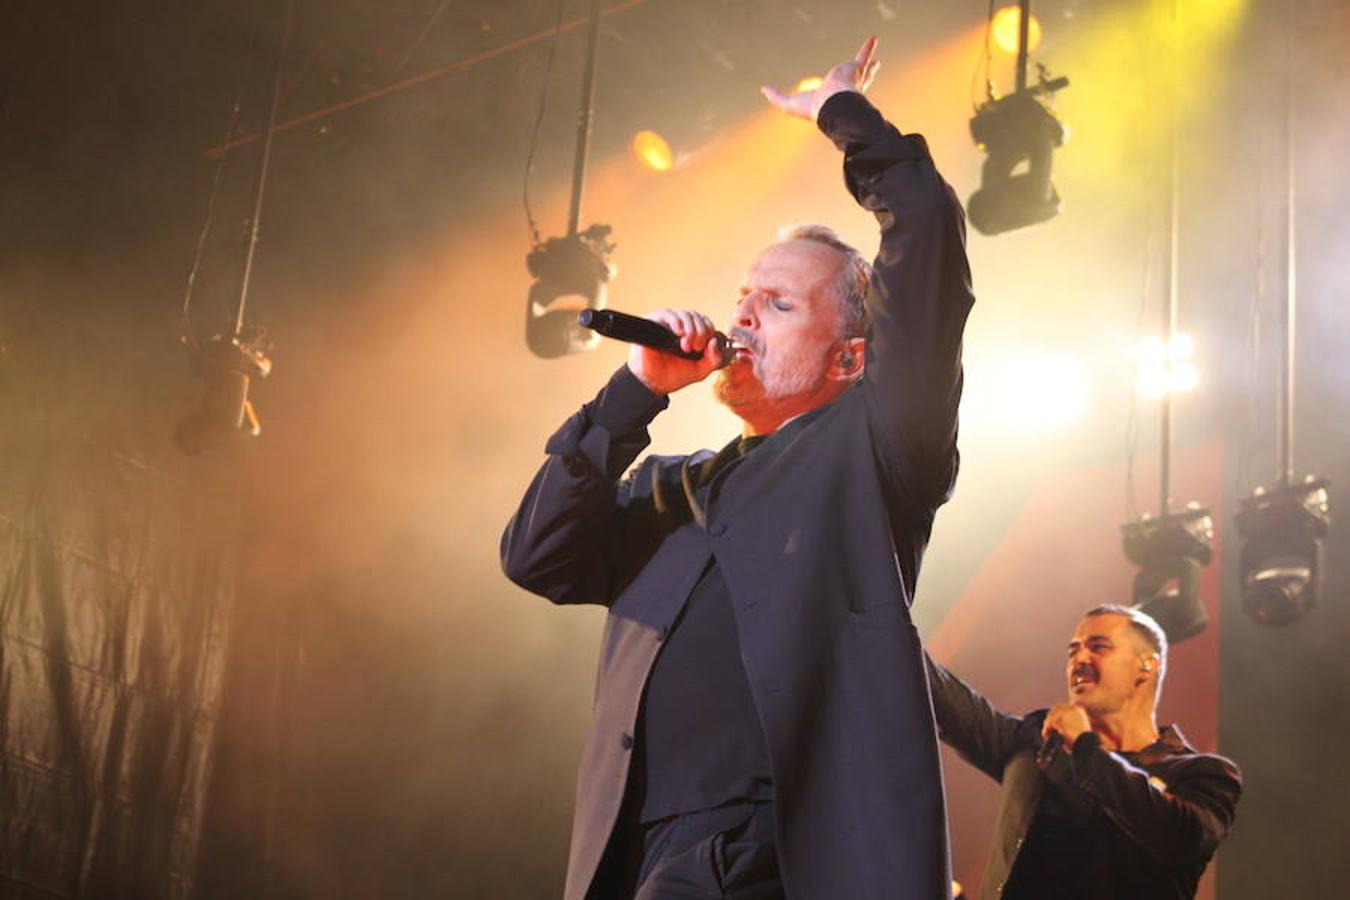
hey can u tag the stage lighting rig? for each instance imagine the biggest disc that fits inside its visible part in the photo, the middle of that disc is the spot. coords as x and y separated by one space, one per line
231 360
1019 136
1284 529
1170 551
1284 525
570 272
570 275
227 365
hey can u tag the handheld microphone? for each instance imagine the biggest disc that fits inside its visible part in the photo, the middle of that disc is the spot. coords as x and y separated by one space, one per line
636 330
1049 747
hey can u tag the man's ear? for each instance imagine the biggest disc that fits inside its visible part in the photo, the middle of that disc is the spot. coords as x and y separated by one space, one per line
850 357
1148 665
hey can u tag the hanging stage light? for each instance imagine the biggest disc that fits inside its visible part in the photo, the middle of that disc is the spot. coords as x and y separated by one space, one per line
1284 526
1170 551
571 271
1284 530
570 275
228 365
229 362
1019 136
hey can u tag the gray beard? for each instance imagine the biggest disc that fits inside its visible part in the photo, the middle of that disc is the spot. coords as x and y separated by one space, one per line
781 382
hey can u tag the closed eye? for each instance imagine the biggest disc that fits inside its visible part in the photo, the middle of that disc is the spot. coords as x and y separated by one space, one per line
1093 646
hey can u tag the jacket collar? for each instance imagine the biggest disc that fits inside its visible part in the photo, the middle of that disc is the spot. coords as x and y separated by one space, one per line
1170 742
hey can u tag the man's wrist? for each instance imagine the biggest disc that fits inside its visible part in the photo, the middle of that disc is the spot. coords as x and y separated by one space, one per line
626 403
1085 745
836 104
821 103
644 382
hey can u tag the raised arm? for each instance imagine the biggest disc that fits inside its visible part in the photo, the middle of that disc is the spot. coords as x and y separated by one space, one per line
921 292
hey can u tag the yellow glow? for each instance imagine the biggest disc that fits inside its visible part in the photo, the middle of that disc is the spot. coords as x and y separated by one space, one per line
1004 29
653 151
1212 15
1165 368
1126 67
810 84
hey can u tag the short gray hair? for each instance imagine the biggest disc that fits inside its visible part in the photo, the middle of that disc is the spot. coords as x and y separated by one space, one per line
855 275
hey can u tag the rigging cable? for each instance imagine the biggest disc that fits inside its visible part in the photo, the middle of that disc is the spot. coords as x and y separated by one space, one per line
535 239
188 336
986 62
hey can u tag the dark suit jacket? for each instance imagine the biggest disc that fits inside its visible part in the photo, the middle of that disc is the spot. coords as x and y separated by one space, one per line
818 534
1160 814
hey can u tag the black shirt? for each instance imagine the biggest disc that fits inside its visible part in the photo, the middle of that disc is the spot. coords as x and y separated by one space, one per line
699 740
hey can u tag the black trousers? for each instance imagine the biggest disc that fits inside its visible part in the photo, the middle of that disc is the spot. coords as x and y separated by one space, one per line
725 853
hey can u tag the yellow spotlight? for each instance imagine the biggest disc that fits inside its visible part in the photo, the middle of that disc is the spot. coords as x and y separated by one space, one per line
810 83
1004 27
653 151
1165 368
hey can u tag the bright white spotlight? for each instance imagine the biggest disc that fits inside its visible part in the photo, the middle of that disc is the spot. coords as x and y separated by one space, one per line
1165 367
1031 393
1181 348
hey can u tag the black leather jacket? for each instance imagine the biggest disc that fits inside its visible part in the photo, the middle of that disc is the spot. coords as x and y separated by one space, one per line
1088 823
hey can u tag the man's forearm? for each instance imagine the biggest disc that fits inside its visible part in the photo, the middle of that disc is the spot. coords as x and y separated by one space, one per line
1174 823
559 541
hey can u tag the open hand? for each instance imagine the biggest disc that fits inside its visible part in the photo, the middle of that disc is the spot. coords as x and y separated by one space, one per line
854 75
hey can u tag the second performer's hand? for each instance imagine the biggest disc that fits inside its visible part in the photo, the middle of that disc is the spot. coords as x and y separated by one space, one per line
666 373
854 75
1068 720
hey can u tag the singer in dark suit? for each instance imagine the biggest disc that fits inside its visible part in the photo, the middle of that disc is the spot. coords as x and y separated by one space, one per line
762 723
1098 803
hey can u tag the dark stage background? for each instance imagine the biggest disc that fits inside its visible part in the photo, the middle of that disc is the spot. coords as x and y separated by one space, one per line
291 669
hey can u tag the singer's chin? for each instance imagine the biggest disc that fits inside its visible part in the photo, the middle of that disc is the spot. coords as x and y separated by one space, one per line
735 386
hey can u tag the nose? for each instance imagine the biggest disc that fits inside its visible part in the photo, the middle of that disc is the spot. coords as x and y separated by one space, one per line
745 314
